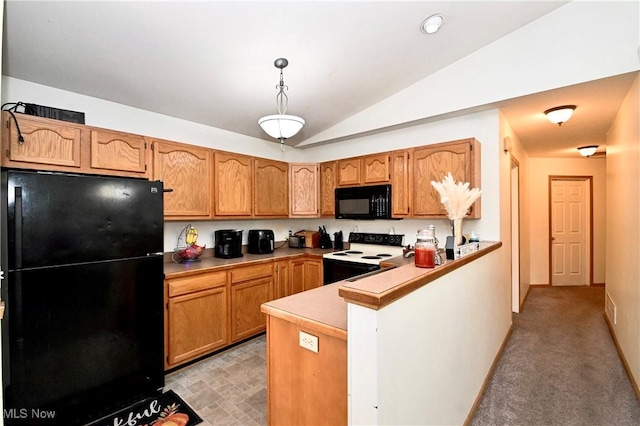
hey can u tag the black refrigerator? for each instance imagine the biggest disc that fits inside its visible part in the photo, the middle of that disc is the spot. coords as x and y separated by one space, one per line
82 334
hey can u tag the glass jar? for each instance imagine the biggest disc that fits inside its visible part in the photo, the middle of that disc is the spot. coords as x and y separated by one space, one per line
425 249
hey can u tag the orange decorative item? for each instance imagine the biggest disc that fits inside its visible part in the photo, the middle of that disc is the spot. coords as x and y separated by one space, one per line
170 417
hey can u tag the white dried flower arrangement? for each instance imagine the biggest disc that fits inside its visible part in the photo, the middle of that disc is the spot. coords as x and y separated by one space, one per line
456 198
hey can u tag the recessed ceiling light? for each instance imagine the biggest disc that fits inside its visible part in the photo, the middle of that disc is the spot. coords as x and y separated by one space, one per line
432 24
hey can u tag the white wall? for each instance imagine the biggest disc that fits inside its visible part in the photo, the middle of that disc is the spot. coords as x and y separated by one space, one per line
538 189
623 228
423 358
520 156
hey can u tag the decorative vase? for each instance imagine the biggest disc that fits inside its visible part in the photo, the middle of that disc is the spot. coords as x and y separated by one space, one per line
456 229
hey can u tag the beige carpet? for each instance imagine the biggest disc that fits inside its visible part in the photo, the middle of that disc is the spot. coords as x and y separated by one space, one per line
560 366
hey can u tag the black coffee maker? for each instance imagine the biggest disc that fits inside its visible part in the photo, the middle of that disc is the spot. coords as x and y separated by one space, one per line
228 243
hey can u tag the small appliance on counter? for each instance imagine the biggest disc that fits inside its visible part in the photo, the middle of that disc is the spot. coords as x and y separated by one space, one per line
338 244
311 238
296 241
228 243
261 241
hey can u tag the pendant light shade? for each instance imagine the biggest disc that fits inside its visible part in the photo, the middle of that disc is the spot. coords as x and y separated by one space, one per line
561 114
281 126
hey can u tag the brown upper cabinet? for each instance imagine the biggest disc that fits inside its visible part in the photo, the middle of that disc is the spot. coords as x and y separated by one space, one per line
186 173
305 190
63 146
433 163
349 171
233 181
117 151
401 183
376 169
327 188
366 170
270 188
46 143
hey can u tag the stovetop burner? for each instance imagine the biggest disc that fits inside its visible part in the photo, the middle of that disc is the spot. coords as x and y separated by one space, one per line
369 248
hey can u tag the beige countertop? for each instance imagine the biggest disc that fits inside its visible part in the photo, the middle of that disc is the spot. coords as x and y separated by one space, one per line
325 308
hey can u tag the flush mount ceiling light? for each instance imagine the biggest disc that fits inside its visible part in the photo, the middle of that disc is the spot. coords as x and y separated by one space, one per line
281 126
588 151
561 114
432 24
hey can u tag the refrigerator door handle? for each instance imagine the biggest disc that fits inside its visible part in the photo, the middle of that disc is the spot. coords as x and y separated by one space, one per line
18 227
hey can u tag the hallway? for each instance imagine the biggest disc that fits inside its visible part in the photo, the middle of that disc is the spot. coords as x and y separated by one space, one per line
560 366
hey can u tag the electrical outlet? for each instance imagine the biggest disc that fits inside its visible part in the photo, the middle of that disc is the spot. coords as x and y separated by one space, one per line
309 341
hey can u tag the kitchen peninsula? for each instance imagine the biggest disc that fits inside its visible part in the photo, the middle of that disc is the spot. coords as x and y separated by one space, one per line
405 346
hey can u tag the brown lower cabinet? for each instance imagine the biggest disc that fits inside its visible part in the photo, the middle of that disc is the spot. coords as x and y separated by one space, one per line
251 286
196 316
210 310
298 394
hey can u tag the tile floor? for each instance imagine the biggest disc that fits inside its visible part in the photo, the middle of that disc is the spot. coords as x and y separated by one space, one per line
228 388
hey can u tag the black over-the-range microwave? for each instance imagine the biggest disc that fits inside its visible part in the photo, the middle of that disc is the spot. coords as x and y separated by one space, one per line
363 202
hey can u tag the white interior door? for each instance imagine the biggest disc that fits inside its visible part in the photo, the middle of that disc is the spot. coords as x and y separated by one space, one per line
568 232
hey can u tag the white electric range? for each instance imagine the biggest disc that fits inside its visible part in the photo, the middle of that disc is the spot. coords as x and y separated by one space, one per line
366 252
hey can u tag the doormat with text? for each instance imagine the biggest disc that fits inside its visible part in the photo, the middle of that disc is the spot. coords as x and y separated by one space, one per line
167 408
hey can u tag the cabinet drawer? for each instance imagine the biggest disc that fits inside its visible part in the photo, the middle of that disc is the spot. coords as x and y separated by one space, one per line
250 272
190 284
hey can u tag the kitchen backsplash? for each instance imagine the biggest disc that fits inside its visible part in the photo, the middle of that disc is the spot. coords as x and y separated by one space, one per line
281 227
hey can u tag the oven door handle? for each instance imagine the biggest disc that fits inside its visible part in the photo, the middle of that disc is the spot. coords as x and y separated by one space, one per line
368 274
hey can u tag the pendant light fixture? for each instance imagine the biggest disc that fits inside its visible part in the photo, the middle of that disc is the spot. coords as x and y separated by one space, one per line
560 114
281 126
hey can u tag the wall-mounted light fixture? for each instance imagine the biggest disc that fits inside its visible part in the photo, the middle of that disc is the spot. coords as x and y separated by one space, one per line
560 114
281 126
506 144
587 151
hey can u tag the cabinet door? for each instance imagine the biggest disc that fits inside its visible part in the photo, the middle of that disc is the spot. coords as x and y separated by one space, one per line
400 184
305 187
375 169
46 142
271 188
246 298
433 163
297 276
123 152
197 324
282 279
186 170
349 171
233 184
327 188
312 274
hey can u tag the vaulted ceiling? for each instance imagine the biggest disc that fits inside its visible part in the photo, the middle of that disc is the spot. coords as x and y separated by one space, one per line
211 62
